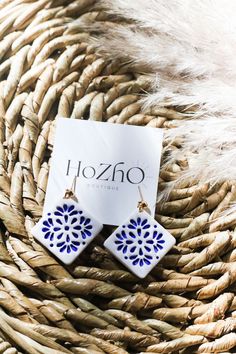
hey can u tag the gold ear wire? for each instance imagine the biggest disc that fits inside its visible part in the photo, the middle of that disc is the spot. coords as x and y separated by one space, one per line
73 187
142 205
70 193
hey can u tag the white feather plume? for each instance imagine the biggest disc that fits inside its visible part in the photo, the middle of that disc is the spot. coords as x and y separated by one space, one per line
189 48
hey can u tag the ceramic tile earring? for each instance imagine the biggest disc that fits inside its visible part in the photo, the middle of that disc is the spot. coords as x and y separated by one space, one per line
140 242
68 228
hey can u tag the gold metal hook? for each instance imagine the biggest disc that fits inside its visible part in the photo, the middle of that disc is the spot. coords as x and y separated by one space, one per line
142 205
70 193
73 186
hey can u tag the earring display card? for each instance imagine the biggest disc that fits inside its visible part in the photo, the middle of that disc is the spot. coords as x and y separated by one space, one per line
66 230
140 243
111 161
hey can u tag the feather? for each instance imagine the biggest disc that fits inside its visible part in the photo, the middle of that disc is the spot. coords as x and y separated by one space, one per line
188 49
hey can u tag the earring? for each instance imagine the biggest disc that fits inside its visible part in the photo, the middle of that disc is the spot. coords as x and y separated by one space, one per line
68 228
140 242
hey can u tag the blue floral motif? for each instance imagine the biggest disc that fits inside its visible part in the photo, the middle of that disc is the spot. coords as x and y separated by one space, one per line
67 228
138 241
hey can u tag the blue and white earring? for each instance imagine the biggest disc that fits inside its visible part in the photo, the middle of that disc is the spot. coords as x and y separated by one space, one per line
140 242
68 228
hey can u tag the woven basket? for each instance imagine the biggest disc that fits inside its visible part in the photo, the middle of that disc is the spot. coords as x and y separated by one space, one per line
187 303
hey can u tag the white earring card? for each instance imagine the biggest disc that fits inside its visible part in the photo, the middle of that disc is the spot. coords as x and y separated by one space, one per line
111 161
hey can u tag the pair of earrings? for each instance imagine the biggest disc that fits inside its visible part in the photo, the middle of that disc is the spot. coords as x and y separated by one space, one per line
139 243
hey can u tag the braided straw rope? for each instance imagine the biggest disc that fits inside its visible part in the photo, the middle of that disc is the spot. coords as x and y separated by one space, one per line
187 303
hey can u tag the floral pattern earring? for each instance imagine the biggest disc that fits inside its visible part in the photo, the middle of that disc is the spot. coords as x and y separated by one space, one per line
140 242
67 229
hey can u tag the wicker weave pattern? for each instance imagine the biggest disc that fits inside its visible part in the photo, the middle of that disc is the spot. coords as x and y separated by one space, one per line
47 68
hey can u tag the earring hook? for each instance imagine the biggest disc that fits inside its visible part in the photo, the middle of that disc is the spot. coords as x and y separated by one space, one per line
70 193
73 186
142 204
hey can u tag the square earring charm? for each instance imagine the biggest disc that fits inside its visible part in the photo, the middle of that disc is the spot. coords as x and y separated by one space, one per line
66 230
140 243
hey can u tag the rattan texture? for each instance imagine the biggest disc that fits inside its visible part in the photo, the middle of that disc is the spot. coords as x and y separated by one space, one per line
187 304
